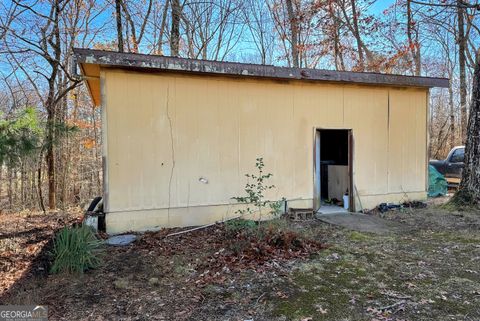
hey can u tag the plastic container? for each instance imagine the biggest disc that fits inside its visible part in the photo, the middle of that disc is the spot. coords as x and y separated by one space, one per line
345 201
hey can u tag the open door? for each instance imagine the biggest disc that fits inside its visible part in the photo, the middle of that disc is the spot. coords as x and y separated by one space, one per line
352 191
333 170
317 198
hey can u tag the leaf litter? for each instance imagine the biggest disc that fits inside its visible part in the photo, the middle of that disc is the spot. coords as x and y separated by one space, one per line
212 274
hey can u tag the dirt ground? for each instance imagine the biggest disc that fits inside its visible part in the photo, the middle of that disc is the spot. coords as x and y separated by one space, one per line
24 238
429 271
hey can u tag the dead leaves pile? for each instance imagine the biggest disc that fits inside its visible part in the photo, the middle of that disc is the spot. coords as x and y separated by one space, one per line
220 254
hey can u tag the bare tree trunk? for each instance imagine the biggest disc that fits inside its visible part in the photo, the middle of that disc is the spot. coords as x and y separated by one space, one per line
175 29
363 51
33 191
451 116
294 33
162 28
51 103
15 186
50 159
413 44
49 141
23 198
361 60
470 184
64 156
136 38
10 188
118 15
462 67
338 55
39 182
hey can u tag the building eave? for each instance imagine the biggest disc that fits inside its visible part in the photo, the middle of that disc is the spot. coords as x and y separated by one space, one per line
195 66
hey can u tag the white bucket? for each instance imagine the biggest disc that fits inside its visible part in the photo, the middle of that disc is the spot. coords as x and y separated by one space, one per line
91 221
345 201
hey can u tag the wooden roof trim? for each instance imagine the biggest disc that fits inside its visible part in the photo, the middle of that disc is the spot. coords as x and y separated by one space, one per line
154 62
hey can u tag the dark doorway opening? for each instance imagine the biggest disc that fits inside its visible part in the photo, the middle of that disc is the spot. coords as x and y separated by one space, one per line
333 169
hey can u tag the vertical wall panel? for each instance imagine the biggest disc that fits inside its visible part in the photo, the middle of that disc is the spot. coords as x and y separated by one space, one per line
366 112
313 107
407 140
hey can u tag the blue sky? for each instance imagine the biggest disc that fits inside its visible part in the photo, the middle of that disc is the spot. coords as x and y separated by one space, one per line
380 5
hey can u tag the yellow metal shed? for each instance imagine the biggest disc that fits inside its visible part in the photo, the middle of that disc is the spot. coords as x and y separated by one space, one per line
180 134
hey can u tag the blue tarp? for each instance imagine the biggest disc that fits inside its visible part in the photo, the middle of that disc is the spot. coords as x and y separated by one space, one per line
437 184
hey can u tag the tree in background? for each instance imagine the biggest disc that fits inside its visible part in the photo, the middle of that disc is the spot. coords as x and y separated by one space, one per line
175 28
137 14
211 30
118 19
47 47
20 139
469 191
256 16
293 24
409 37
449 36
461 40
37 43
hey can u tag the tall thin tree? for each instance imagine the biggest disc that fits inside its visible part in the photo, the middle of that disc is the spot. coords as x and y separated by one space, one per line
118 18
292 17
175 28
462 44
470 185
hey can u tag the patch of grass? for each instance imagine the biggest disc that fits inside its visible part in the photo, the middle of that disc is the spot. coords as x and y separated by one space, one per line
451 307
76 249
329 285
358 236
463 238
